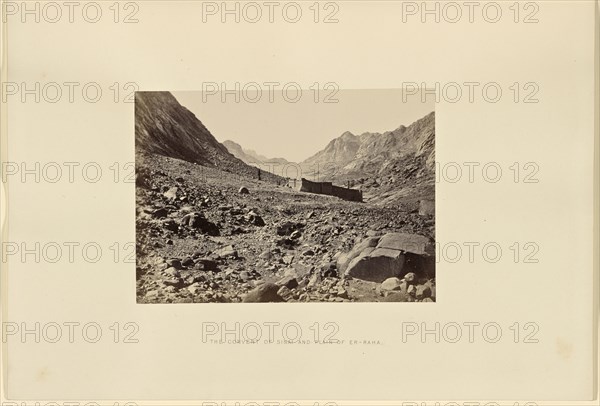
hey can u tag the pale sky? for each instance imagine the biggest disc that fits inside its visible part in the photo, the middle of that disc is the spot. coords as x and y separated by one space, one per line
296 131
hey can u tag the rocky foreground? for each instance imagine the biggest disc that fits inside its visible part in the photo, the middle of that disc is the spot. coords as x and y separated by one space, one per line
205 235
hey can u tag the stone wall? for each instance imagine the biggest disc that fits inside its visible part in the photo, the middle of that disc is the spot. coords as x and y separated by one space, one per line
347 194
327 188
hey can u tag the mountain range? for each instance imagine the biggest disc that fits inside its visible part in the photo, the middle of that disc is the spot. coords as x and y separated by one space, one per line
389 166
250 156
352 156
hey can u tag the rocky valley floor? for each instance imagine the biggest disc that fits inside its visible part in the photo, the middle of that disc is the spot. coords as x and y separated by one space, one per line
205 235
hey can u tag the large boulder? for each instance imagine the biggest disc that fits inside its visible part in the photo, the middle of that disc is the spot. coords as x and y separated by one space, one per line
376 266
412 243
376 259
364 248
288 227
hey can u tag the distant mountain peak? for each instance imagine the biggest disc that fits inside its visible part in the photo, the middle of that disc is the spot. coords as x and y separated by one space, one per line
383 156
250 156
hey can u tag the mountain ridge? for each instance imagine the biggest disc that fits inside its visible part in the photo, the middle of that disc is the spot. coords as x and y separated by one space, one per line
164 127
348 149
388 167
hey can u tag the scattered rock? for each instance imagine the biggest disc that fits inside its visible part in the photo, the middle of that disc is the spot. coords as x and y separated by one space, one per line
198 221
174 262
160 213
329 270
170 224
194 288
391 284
171 194
396 296
431 284
314 280
422 292
267 292
206 264
227 251
285 293
256 220
343 293
286 243
266 255
288 227
301 269
427 207
173 281
288 281
152 294
171 272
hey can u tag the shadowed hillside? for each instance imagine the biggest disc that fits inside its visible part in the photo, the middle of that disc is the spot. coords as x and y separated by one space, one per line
165 127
